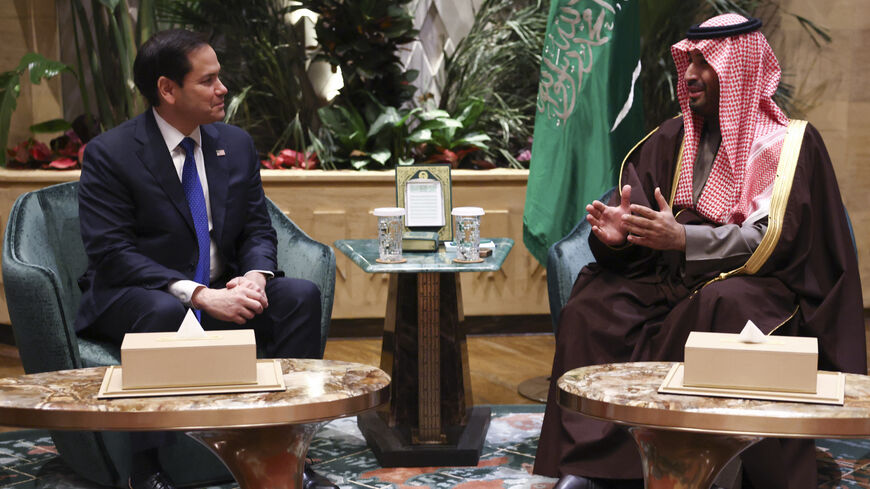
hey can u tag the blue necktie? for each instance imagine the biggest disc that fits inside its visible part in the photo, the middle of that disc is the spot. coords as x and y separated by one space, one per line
196 201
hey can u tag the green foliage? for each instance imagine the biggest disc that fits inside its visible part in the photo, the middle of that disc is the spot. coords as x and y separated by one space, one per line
54 125
362 38
487 100
382 137
498 63
445 139
39 68
107 48
106 40
375 139
264 59
367 126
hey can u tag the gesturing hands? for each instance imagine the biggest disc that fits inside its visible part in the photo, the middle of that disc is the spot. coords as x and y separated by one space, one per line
637 224
606 221
656 230
242 299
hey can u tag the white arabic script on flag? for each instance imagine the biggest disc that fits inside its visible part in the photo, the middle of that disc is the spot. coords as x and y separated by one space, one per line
569 52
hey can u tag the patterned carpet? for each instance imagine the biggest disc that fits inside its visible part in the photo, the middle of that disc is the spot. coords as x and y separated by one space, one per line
29 460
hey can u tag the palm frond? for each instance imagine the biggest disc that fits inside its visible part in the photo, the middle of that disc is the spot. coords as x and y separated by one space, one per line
498 62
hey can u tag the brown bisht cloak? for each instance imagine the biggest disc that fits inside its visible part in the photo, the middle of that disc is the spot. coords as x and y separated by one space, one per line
636 304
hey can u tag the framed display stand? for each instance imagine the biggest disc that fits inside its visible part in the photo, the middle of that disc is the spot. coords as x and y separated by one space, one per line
426 193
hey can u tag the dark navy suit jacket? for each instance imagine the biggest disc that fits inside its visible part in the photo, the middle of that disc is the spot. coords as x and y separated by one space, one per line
136 225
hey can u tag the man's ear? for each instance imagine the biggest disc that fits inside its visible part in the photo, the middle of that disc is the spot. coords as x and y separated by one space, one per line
166 90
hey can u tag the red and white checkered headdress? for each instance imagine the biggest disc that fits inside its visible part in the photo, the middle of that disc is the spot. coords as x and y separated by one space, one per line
752 125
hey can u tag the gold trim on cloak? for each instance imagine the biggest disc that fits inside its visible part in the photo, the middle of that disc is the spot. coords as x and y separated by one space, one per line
622 168
677 171
679 164
785 170
622 165
619 182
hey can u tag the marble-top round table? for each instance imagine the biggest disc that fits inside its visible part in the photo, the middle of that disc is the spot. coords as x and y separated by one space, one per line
685 441
262 437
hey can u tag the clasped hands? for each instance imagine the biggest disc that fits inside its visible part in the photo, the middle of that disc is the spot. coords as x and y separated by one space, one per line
243 298
637 224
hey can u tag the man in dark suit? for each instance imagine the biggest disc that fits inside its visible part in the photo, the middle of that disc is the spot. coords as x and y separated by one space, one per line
173 217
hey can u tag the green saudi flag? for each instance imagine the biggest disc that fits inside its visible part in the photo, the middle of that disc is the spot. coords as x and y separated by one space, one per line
589 114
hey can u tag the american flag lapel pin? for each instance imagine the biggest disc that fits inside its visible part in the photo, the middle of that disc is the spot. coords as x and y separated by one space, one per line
221 152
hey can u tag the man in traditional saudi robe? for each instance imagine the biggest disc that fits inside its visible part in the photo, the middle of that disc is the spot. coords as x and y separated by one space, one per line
704 235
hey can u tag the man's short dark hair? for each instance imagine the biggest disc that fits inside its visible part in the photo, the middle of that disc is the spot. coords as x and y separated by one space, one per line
164 54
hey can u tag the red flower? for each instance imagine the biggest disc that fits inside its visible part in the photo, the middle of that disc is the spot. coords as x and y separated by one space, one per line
65 153
62 164
39 151
289 158
270 163
447 156
19 154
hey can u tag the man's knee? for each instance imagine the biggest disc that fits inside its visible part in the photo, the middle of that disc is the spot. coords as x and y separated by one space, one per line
295 313
138 310
724 304
158 311
300 293
308 292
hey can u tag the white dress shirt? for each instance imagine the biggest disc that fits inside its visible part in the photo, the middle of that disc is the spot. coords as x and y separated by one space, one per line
183 289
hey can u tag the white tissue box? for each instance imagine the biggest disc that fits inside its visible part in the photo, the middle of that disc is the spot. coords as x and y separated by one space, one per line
782 363
150 360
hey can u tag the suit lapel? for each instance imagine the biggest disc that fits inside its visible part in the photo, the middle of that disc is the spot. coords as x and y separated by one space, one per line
217 172
156 158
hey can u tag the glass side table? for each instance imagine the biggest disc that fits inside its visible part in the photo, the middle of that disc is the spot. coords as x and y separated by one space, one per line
430 420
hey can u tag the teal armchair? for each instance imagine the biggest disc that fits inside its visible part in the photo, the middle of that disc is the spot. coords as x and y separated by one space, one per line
565 259
43 257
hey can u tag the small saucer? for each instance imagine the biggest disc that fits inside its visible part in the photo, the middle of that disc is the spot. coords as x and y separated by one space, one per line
457 260
389 262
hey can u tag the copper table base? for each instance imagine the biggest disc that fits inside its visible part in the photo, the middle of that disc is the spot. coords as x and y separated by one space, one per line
686 459
261 458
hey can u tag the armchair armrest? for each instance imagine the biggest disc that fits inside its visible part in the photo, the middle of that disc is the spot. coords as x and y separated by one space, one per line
300 256
565 259
33 292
